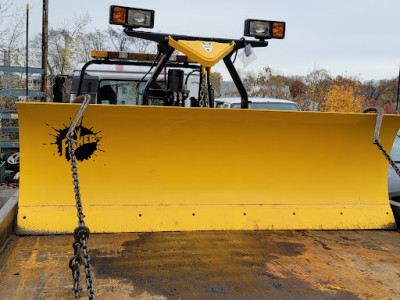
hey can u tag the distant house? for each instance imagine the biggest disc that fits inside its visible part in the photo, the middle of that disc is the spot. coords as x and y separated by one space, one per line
34 82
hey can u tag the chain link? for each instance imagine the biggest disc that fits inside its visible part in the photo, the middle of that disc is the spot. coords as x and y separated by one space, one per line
379 117
74 265
86 259
391 162
81 234
204 100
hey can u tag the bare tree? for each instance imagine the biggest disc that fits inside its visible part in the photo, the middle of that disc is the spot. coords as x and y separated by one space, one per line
11 42
318 83
120 41
4 17
144 46
96 40
12 47
64 45
265 84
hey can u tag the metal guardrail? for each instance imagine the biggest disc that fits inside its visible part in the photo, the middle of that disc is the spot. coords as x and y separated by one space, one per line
11 69
14 145
8 115
19 93
10 129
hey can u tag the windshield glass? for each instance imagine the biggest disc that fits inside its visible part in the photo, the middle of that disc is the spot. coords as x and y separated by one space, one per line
269 105
124 92
395 153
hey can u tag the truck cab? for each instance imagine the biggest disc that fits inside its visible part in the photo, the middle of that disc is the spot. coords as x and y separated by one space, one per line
123 84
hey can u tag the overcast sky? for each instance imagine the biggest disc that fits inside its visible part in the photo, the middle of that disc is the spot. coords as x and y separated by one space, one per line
346 37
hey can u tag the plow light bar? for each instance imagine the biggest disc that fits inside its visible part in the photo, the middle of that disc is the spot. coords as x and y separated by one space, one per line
264 29
134 56
134 17
123 55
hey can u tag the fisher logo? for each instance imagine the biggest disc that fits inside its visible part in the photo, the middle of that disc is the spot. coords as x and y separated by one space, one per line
207 46
86 142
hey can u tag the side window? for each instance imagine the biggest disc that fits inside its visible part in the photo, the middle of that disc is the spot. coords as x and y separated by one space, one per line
123 92
107 95
118 92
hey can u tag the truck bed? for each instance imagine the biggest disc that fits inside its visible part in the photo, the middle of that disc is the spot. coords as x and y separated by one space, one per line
210 265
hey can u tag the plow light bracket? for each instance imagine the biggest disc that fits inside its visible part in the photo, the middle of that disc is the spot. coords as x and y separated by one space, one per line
132 17
205 53
261 29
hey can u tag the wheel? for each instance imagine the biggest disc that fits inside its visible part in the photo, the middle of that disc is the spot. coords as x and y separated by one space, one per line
12 161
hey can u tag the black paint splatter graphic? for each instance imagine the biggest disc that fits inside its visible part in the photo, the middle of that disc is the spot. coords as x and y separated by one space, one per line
86 142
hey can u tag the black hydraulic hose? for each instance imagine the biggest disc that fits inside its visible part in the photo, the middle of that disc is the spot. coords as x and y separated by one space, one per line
188 75
148 72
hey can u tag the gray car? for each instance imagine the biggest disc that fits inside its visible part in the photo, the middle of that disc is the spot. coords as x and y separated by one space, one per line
393 178
257 103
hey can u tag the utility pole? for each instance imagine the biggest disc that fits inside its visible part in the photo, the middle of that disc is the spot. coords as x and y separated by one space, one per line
27 53
398 91
44 48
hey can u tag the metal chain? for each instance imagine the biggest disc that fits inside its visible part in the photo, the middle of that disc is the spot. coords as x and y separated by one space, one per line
81 233
391 162
204 100
379 117
74 265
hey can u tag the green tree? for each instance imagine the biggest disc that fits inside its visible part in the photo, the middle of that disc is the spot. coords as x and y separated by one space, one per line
318 84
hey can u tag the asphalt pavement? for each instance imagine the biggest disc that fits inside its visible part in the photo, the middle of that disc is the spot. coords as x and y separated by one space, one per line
5 194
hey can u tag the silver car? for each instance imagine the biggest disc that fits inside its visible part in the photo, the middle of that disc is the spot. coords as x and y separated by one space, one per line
393 178
257 103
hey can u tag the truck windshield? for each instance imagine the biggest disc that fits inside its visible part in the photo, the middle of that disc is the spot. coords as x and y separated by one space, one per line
124 92
269 105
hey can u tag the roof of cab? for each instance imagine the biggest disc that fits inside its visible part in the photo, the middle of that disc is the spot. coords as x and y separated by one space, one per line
121 71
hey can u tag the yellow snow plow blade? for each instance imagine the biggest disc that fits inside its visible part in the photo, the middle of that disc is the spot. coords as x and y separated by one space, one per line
172 169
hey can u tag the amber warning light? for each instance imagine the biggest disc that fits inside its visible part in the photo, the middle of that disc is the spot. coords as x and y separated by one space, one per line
264 29
132 17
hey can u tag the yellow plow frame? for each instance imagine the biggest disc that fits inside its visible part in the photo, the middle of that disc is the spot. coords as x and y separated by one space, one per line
172 169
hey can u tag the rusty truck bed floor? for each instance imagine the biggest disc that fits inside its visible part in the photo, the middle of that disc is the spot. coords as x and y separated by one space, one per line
210 265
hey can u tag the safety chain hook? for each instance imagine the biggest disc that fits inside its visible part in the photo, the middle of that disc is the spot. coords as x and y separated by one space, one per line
379 117
81 233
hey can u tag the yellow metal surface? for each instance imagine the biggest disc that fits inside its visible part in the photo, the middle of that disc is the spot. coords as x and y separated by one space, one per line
205 53
209 265
165 168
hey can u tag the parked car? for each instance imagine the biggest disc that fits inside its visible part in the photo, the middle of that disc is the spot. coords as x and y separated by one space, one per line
393 178
257 103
